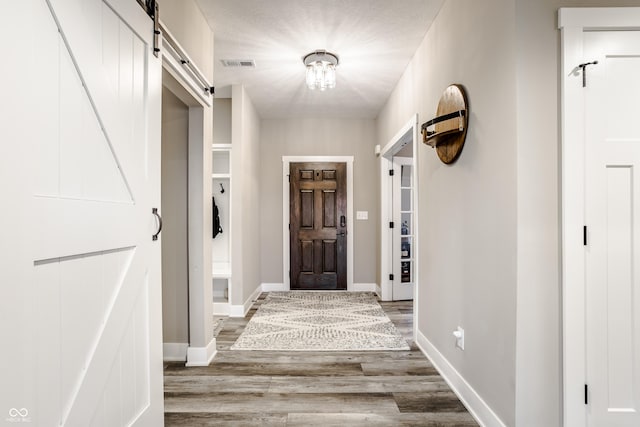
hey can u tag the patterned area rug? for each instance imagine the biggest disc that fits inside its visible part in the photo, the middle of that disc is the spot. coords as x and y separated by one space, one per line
320 321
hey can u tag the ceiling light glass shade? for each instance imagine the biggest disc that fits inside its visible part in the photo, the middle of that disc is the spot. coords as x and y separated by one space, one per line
321 70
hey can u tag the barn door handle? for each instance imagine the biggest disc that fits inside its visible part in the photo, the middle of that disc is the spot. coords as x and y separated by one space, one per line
343 221
155 212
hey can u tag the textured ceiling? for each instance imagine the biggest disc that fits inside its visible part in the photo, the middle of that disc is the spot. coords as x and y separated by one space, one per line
375 40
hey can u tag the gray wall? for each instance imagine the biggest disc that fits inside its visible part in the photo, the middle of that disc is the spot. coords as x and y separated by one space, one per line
186 23
497 269
175 277
246 188
318 137
467 233
222 121
539 305
189 26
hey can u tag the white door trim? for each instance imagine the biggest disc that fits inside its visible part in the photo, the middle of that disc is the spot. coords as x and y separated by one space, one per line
286 160
573 22
202 343
386 154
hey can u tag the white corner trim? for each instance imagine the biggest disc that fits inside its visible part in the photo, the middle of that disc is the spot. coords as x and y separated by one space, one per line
476 406
242 310
393 145
201 356
364 287
174 351
599 17
273 287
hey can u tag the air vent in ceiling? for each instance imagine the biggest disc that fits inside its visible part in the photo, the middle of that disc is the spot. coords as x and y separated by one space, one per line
244 63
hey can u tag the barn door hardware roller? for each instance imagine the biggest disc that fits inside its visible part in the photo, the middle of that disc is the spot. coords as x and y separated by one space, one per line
152 9
448 130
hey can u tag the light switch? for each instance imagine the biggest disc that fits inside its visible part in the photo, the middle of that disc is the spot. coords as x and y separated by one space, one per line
362 215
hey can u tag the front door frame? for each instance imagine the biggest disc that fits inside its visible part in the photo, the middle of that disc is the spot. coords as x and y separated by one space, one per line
286 249
573 22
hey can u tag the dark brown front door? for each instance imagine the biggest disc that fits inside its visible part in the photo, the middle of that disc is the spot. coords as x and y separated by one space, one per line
318 222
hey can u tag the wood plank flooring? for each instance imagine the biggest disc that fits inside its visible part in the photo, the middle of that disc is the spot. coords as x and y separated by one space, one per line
247 388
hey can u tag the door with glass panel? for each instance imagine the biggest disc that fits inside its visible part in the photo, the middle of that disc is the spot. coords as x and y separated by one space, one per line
403 237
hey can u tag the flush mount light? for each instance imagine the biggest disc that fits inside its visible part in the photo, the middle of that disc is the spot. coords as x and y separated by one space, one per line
321 69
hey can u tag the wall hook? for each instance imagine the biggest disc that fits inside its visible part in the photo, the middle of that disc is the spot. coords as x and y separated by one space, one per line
221 189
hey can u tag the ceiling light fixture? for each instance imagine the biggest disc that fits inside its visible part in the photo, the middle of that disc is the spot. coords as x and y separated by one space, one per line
321 69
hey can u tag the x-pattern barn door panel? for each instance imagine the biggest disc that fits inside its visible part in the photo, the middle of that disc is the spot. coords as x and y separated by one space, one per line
318 226
94 269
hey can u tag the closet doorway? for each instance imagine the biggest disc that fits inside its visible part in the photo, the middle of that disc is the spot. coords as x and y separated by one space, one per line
175 259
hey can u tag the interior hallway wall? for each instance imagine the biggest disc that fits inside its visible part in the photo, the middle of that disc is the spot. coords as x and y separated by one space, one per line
189 26
318 137
245 197
175 267
485 57
467 220
539 343
222 121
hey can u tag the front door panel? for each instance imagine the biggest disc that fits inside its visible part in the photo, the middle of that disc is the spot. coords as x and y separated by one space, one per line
318 234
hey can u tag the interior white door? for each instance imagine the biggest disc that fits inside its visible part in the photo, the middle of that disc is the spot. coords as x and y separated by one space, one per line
403 235
80 163
612 195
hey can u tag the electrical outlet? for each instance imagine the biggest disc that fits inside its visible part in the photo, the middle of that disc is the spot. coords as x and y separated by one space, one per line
459 334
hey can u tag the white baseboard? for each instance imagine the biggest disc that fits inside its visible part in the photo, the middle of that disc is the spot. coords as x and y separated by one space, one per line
476 406
220 308
273 287
242 310
356 287
201 356
236 311
364 287
174 351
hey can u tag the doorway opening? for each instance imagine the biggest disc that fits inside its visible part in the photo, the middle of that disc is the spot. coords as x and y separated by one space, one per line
187 293
174 208
398 215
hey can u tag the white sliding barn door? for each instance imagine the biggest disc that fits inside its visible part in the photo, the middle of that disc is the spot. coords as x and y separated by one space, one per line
612 200
80 282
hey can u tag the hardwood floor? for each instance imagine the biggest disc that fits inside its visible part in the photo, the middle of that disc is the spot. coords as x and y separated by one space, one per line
247 388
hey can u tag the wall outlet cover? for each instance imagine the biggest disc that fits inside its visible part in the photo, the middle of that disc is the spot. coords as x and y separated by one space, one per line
459 335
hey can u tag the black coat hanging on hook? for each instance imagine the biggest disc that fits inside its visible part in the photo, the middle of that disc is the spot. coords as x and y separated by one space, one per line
217 228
